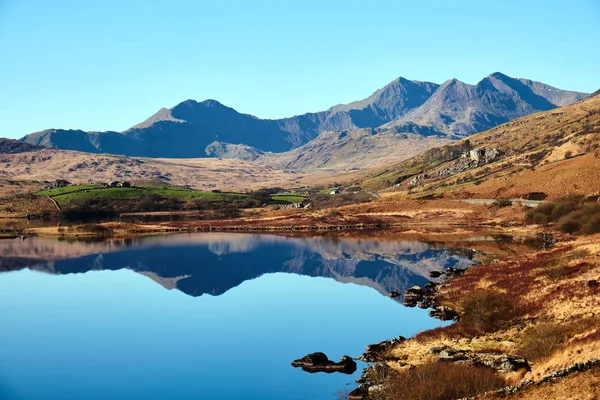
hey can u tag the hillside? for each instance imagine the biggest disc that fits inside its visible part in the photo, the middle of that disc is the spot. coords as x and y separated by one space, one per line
83 168
11 146
352 150
556 152
453 109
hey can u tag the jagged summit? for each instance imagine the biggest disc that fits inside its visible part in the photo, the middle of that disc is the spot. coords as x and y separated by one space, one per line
453 109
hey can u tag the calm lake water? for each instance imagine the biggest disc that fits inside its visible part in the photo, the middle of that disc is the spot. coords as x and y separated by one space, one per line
199 316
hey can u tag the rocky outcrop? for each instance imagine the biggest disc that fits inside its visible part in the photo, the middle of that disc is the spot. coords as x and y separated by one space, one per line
370 381
59 183
501 362
423 297
556 375
416 180
444 313
374 352
318 362
471 159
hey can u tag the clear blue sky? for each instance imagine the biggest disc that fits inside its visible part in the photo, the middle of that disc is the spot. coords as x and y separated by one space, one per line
100 65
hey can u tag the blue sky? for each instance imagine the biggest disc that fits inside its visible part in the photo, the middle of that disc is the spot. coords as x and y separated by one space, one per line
100 65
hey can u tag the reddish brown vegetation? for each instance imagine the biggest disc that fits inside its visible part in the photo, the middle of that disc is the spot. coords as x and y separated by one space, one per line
440 381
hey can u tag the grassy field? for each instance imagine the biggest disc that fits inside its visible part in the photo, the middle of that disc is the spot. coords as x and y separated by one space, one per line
288 198
80 193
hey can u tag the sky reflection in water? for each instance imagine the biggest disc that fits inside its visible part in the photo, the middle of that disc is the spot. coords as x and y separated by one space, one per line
113 333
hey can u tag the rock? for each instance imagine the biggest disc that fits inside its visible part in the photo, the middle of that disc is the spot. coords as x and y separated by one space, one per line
373 390
318 362
416 180
491 154
373 374
444 313
412 296
452 355
471 159
435 274
373 351
359 393
394 293
501 362
59 183
592 284
452 272
547 240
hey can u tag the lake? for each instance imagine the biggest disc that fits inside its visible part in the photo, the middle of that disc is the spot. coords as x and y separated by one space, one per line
200 316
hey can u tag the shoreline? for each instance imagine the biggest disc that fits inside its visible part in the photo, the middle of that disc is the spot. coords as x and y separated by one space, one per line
506 270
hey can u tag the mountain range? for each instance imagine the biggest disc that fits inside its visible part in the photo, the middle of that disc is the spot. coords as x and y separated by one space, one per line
194 129
550 154
215 263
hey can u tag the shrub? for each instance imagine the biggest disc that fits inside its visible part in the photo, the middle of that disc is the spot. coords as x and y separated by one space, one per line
441 381
556 269
569 224
536 196
486 310
570 213
591 224
541 341
260 197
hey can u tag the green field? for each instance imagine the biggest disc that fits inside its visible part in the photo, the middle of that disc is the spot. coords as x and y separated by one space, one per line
80 193
288 198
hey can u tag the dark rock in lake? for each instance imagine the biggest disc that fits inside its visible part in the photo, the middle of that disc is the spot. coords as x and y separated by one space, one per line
452 272
318 362
435 274
412 296
444 313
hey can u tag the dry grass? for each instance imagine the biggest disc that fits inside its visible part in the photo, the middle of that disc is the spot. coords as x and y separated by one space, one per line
440 381
203 173
552 314
580 386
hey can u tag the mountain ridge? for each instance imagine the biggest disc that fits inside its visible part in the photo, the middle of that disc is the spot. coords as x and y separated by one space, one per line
453 109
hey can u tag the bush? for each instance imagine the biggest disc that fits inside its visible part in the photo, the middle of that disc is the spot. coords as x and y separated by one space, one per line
541 341
536 196
569 224
570 213
441 381
260 197
486 311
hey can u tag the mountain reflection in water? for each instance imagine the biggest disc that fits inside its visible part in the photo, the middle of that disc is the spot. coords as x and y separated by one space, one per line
213 263
81 320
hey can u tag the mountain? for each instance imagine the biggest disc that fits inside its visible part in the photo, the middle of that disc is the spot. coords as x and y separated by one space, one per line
453 109
11 146
552 153
457 109
349 150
